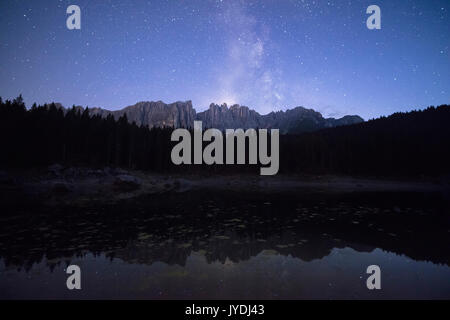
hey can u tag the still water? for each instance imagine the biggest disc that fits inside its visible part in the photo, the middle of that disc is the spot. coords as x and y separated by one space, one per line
230 246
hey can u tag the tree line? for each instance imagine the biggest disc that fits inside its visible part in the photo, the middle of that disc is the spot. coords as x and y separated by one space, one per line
407 144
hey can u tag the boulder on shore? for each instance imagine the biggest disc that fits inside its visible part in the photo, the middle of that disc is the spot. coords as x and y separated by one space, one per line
55 169
61 187
127 183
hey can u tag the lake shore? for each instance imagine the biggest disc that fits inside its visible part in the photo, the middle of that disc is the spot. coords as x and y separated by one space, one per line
74 185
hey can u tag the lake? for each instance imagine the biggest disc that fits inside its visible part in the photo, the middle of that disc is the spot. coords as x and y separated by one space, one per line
230 245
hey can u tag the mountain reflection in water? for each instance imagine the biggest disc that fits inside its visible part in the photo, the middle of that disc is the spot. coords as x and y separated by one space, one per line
230 245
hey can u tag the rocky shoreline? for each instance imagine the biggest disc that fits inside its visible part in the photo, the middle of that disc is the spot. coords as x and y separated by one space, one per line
57 184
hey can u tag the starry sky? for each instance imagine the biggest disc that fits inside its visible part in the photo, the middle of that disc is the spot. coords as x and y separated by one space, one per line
268 55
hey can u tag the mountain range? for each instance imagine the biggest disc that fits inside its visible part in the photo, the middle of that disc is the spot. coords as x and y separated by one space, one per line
181 114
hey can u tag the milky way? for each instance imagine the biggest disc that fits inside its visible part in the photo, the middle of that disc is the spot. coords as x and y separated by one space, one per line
268 55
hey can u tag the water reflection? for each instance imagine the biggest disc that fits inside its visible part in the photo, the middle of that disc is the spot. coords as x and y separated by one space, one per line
268 275
208 245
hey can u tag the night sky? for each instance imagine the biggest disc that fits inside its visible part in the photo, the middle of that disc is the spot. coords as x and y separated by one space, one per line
268 55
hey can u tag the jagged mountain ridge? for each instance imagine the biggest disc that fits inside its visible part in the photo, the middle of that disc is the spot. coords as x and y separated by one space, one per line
181 114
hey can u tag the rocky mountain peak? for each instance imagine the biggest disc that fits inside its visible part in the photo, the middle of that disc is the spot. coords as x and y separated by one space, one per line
181 114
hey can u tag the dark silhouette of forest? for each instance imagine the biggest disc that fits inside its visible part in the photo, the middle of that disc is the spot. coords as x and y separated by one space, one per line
403 144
